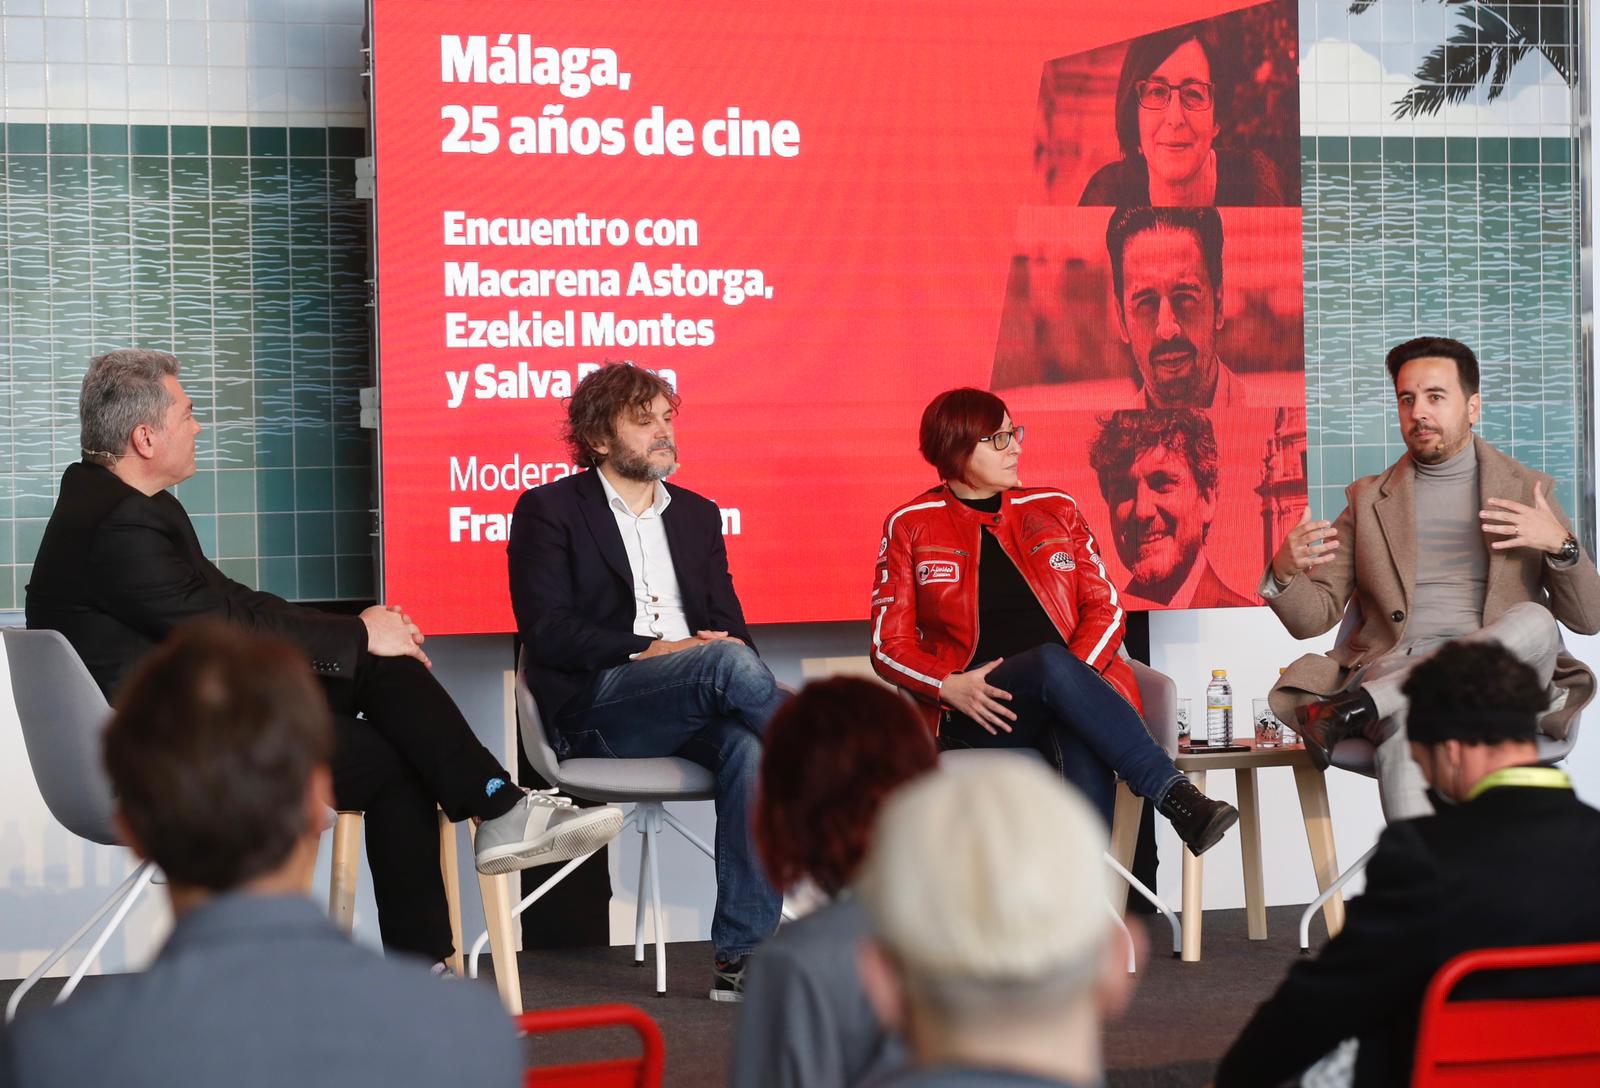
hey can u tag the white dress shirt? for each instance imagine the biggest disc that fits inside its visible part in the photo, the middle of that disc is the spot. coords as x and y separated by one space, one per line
658 602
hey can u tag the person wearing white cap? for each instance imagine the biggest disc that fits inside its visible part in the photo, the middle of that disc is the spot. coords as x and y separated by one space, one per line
991 954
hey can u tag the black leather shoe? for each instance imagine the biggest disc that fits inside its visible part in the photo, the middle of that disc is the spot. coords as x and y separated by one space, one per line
1326 722
1199 821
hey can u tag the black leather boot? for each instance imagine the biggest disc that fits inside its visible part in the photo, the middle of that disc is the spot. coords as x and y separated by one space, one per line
1199 821
1326 722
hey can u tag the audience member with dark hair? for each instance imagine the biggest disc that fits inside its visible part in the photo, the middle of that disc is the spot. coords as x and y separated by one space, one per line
1174 96
636 641
991 605
1506 860
120 567
1158 475
833 754
219 755
987 895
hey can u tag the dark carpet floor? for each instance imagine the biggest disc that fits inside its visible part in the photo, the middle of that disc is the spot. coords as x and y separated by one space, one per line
1182 1018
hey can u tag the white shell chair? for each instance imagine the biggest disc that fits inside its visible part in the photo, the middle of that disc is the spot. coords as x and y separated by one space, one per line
647 784
63 714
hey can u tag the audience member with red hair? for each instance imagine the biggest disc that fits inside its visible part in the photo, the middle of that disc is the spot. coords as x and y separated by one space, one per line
832 755
991 606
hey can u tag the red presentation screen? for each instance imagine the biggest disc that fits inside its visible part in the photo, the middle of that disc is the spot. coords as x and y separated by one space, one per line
812 217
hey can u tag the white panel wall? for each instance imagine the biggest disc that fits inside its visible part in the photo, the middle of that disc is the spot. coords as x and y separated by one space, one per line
183 62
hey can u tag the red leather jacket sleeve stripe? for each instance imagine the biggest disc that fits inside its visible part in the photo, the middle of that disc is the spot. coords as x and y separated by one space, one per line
1101 620
896 655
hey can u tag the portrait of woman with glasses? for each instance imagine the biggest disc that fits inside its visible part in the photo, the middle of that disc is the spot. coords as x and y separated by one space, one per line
1173 102
991 606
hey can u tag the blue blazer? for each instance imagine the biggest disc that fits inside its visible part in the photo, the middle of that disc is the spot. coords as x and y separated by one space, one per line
572 588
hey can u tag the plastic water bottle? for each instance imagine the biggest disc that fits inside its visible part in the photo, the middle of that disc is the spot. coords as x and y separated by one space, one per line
1219 710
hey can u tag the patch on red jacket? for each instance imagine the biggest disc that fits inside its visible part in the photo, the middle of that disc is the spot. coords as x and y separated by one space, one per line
1063 561
938 570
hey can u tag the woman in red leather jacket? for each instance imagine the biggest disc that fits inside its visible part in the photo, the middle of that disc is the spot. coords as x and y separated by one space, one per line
991 605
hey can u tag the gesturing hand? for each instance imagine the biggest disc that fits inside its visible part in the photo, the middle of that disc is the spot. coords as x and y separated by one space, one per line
390 633
1524 526
1308 544
971 693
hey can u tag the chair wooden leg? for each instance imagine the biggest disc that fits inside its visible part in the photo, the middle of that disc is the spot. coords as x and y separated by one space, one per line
1193 879
346 866
1255 900
450 870
1124 838
1313 790
496 893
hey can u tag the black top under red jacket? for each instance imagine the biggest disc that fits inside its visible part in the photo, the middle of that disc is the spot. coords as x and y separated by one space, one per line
1515 866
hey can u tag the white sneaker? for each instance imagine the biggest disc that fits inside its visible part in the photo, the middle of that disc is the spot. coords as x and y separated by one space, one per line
543 828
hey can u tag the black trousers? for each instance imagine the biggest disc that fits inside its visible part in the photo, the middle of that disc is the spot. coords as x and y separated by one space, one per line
409 752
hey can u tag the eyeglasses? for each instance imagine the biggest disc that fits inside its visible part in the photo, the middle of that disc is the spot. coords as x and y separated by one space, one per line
1001 439
1193 94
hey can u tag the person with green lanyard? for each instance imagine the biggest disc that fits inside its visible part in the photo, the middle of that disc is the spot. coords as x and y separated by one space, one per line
1507 859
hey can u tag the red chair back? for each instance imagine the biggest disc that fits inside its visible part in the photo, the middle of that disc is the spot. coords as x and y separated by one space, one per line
641 1072
1549 1042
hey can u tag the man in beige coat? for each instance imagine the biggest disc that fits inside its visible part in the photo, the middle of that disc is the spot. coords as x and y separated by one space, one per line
1453 540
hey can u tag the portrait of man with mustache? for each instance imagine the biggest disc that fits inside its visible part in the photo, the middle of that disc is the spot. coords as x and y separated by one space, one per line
1166 274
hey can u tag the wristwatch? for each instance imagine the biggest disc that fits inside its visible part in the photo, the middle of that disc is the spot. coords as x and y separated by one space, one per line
1568 553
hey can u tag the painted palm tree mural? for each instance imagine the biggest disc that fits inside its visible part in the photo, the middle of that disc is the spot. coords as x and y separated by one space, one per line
1490 39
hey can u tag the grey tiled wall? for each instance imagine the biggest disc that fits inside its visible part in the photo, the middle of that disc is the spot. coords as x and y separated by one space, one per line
1471 238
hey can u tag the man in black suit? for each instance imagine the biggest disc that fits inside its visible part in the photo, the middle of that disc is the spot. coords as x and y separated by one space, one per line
120 567
636 642
1505 860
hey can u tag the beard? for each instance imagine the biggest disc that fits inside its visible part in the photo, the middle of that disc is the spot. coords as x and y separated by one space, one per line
1435 454
1157 572
637 465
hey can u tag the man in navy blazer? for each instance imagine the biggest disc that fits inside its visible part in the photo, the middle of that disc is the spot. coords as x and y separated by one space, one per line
636 643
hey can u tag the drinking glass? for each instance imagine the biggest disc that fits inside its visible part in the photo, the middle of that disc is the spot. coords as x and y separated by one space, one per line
1269 730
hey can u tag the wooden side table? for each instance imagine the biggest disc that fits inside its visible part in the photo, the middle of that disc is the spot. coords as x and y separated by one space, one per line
1313 791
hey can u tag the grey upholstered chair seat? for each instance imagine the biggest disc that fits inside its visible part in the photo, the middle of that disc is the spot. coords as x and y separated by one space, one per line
663 777
646 783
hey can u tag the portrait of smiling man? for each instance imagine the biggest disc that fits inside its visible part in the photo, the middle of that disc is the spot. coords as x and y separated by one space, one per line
1158 475
1166 275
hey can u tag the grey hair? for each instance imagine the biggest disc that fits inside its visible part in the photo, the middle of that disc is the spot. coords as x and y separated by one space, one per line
986 885
122 390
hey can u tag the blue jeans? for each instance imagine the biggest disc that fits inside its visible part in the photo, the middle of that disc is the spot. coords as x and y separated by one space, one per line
711 705
1078 721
